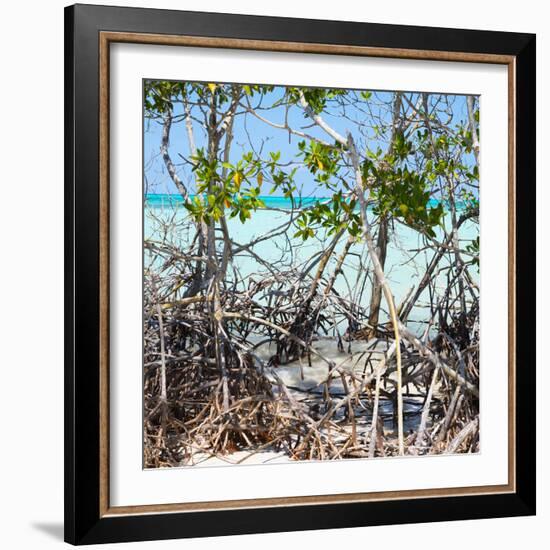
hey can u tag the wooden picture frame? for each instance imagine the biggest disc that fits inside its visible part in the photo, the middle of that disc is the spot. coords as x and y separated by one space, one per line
89 32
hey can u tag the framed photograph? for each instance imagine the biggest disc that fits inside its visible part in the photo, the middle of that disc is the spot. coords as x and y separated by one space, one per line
300 274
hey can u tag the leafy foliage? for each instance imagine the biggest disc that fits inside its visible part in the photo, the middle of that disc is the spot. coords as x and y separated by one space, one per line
233 188
473 249
316 97
333 214
401 192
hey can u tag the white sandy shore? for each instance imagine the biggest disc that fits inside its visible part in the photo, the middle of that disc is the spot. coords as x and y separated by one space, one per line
301 379
311 376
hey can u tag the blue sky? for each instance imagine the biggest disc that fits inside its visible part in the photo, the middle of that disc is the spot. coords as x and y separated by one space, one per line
269 139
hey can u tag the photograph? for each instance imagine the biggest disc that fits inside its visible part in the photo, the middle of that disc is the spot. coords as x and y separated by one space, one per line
311 269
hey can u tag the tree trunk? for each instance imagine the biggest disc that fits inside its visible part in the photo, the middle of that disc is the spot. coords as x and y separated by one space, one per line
382 239
382 281
376 296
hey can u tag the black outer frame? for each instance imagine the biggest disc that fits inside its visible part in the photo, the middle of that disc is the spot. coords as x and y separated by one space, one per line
83 524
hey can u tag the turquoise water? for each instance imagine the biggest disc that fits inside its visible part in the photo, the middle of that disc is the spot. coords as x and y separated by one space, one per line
155 200
158 200
404 267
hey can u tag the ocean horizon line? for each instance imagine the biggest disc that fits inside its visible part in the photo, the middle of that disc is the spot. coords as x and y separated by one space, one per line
174 199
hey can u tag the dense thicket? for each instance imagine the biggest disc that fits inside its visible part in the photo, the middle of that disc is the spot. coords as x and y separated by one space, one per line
216 335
